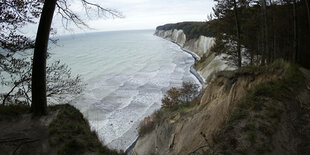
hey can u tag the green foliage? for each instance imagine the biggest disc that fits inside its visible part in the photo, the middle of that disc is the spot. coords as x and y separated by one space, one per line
263 39
71 133
176 96
192 30
146 126
177 101
172 98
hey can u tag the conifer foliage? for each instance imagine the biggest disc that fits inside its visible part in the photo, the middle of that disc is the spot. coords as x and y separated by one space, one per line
261 31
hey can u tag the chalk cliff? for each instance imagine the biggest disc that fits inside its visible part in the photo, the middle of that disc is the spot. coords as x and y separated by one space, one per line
200 47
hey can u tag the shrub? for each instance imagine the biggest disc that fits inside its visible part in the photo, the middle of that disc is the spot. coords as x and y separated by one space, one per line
189 91
178 100
13 110
171 98
176 96
70 133
146 126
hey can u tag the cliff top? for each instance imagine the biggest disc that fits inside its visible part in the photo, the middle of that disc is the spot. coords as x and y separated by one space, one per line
63 131
253 110
192 30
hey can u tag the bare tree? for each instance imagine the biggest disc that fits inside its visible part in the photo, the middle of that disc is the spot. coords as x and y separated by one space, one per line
60 82
39 102
13 16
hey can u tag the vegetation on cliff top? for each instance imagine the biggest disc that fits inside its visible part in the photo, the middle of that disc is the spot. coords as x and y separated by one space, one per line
192 30
67 133
254 122
281 29
71 133
262 31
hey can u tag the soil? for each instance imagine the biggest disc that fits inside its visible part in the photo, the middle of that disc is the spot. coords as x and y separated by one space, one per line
25 135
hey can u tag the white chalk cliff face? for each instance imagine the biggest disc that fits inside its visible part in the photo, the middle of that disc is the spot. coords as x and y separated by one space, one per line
200 46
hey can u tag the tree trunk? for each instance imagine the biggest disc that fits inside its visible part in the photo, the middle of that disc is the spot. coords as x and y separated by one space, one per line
274 47
308 12
39 102
238 34
265 51
295 41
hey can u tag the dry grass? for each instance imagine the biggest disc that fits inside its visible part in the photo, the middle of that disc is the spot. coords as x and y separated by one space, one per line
71 134
256 118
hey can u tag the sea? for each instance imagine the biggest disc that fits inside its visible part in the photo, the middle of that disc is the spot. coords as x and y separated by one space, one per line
126 74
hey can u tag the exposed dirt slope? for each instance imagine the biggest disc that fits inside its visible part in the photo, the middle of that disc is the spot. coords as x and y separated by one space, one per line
239 112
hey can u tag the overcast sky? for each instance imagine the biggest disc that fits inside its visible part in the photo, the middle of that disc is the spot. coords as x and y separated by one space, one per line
140 14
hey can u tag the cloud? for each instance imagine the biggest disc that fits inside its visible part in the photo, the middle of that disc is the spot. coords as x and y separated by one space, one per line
140 14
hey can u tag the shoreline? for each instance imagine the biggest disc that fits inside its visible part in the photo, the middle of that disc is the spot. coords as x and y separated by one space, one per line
193 71
131 146
196 58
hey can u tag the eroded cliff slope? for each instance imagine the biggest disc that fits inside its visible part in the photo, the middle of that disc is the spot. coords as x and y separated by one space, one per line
253 110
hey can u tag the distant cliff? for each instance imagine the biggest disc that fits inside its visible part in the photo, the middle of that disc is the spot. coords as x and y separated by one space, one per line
198 44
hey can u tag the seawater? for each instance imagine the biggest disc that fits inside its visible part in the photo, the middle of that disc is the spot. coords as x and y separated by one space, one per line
126 73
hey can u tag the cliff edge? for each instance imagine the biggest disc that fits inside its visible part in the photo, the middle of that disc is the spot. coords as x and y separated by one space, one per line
253 110
63 131
199 46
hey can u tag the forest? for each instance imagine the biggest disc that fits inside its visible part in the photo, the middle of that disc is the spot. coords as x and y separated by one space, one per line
192 30
257 31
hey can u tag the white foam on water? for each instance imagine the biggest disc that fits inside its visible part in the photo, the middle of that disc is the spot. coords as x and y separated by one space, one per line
126 74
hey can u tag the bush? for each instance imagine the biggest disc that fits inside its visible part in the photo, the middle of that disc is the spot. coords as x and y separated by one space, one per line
176 100
146 126
176 96
71 133
171 98
13 110
189 91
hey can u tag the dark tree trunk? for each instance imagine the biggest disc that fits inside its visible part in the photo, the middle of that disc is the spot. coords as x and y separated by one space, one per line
265 49
238 34
295 41
39 103
271 45
274 47
308 12
251 57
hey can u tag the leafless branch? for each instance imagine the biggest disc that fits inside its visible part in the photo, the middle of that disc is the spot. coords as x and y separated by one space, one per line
69 16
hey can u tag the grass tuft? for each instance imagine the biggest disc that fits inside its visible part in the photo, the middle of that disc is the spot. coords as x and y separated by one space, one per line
70 132
11 110
260 111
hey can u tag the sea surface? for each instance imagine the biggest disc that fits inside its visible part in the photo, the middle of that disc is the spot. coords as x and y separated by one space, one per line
127 73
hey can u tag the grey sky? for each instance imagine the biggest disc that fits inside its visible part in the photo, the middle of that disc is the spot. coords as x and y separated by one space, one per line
141 14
